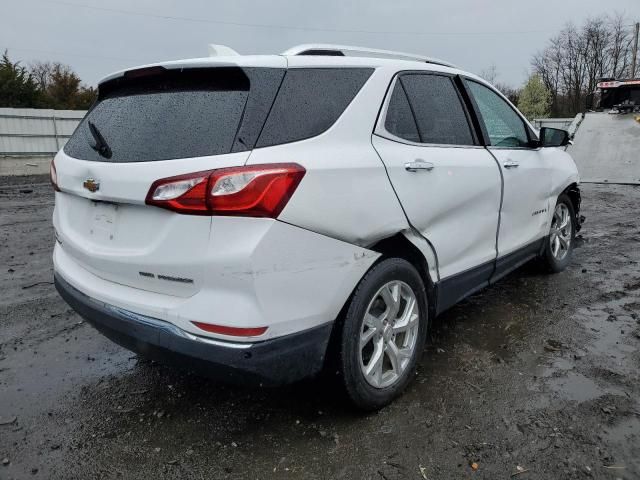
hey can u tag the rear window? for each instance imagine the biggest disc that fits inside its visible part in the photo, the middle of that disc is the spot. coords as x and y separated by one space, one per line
177 114
310 101
438 110
174 114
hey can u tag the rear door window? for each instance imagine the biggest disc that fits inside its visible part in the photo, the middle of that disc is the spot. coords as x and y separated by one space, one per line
178 114
438 109
310 101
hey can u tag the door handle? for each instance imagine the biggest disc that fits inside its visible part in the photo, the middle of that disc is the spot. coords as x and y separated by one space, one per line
417 165
511 164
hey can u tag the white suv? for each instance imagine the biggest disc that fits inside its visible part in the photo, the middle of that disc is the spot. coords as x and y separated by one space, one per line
263 217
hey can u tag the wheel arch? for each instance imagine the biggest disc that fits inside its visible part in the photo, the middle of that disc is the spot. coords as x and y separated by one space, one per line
573 192
400 245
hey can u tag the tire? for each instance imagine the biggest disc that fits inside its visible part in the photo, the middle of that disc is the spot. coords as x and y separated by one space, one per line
390 286
560 241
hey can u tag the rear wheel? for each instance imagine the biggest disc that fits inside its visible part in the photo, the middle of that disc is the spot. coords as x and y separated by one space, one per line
384 333
559 246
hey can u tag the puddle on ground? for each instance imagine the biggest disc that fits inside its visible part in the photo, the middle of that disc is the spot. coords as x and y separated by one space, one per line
558 364
574 386
561 378
609 336
624 431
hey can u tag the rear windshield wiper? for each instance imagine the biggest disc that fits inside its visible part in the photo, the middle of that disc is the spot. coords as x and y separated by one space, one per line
101 146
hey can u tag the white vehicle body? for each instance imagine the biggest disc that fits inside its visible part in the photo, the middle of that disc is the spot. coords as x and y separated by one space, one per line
467 214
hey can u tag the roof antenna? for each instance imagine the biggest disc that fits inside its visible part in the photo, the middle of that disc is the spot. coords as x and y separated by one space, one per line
221 51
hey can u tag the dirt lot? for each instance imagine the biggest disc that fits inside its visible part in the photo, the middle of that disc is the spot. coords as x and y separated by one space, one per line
535 378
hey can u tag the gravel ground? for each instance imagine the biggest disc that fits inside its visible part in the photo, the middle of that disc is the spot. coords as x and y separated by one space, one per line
534 378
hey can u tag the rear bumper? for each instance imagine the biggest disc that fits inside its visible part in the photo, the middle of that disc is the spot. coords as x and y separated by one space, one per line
271 362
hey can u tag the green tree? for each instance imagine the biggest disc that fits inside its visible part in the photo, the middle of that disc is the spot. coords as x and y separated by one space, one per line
535 99
18 88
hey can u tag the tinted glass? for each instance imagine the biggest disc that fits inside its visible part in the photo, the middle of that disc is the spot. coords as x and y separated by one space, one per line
503 124
438 110
177 114
310 100
264 86
399 120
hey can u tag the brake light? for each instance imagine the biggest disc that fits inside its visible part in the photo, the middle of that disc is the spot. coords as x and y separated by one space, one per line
252 191
144 72
231 331
53 176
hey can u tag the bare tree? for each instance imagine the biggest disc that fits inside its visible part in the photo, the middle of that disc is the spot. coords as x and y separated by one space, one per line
596 37
548 64
490 74
578 57
620 48
41 72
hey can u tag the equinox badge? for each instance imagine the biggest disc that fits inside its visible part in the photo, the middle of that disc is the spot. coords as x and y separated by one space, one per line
91 185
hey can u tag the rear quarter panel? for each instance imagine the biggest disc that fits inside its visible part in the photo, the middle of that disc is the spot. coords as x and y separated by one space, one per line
345 193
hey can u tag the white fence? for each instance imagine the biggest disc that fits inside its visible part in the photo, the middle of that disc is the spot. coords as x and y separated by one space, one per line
30 131
30 137
561 123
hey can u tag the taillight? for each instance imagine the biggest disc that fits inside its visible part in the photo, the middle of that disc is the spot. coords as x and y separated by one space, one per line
183 194
252 191
53 176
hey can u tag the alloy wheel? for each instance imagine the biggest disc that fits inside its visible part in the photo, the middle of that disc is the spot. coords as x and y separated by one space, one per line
389 334
560 236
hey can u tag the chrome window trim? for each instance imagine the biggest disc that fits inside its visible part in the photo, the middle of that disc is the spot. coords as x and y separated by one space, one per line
381 131
389 136
497 147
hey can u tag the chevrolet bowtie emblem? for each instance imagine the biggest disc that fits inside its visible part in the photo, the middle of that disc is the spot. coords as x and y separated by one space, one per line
91 185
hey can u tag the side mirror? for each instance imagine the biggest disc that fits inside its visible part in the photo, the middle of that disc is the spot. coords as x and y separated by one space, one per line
553 137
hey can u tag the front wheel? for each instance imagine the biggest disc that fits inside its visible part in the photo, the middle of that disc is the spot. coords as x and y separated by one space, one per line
384 333
559 246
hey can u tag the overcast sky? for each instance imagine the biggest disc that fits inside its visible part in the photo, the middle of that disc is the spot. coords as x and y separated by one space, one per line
98 37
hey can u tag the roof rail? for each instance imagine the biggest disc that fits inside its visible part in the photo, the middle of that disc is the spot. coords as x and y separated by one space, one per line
342 50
